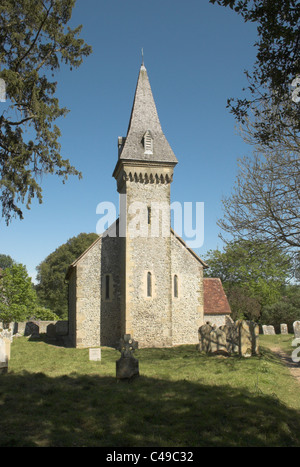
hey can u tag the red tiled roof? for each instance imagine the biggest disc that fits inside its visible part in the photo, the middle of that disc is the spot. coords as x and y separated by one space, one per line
215 300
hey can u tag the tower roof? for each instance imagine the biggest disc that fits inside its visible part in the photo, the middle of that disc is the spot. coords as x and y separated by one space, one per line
145 140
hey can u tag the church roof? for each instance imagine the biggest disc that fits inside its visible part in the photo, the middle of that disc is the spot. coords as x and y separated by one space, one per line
215 300
205 266
144 123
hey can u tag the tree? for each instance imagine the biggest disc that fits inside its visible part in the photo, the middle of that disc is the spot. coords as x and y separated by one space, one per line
253 274
265 202
51 289
34 41
286 310
270 99
17 295
6 261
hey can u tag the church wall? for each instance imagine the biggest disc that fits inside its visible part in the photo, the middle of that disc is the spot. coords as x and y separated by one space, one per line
110 315
88 298
148 319
217 320
187 308
72 307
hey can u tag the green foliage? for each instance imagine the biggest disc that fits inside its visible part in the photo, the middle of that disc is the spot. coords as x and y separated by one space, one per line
286 310
43 314
34 40
277 65
51 289
253 274
243 304
17 296
6 261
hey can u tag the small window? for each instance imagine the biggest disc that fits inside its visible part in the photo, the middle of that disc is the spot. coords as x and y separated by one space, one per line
107 287
149 215
149 284
175 286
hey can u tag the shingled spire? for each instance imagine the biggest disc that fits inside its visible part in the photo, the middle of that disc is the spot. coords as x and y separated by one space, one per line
145 140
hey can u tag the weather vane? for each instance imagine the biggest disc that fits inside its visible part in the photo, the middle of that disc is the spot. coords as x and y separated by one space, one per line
142 56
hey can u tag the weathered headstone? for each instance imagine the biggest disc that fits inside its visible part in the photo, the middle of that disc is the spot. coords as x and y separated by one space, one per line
4 354
284 329
248 338
232 337
95 355
127 366
268 330
204 337
296 327
213 342
222 344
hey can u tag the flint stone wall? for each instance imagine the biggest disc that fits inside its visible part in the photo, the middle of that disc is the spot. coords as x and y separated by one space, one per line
240 337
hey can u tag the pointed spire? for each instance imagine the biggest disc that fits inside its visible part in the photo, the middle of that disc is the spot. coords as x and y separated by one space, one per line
142 56
143 122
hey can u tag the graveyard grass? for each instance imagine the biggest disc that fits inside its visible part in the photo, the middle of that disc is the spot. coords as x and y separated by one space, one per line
55 396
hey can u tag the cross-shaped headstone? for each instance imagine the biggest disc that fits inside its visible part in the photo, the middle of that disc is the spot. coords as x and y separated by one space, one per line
127 346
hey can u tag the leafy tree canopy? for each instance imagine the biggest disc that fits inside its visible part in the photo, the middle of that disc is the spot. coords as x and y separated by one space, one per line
51 288
271 98
5 261
34 41
17 295
256 267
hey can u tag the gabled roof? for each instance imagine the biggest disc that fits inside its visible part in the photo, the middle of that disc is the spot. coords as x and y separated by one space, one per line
106 233
205 266
215 300
144 118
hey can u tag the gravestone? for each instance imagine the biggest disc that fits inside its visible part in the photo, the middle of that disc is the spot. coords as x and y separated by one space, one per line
268 330
127 366
284 329
248 338
4 354
95 355
296 327
204 337
232 337
221 342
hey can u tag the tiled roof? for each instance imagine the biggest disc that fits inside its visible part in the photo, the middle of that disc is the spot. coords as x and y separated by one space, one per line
215 300
144 118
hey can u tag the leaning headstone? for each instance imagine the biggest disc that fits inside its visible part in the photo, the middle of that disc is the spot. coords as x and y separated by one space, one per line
213 342
245 338
232 337
268 330
204 337
284 329
127 366
95 355
296 327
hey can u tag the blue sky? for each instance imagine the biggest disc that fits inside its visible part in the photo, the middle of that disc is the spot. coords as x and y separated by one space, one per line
195 54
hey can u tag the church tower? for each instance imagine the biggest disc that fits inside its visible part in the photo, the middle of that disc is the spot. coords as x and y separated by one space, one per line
144 172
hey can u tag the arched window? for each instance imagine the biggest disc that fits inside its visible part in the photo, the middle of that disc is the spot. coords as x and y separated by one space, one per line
149 284
175 286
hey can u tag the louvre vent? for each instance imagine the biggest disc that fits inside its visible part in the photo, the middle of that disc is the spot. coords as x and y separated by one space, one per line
148 142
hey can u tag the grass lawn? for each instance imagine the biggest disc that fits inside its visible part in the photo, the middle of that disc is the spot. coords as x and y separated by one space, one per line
54 396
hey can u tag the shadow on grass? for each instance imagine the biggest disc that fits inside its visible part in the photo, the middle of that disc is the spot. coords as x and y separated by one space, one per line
77 410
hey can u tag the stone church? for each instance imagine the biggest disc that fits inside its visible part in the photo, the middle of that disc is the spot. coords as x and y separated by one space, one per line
151 287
